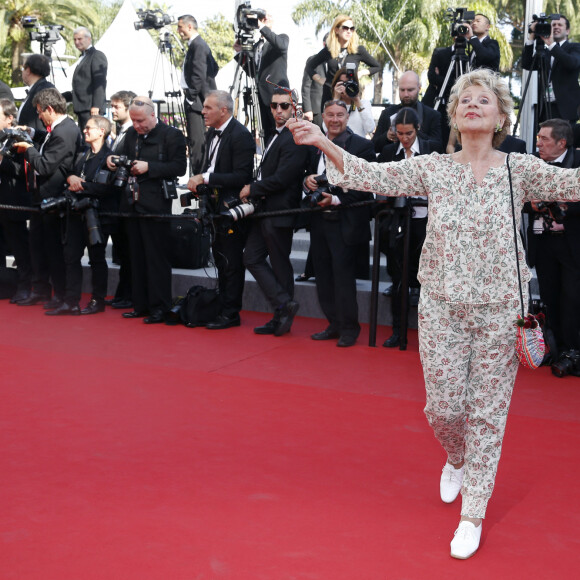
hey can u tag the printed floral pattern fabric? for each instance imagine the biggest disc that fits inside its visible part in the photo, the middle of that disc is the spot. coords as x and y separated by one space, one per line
468 255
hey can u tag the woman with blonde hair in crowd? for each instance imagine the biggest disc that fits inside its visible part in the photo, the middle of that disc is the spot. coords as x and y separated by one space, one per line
470 295
342 47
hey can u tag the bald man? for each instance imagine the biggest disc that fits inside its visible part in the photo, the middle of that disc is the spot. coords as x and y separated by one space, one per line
429 119
158 155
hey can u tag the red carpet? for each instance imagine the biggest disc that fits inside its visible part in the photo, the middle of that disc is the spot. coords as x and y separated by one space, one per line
150 453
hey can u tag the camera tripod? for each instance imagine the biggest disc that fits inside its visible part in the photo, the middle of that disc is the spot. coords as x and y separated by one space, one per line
544 106
245 89
459 65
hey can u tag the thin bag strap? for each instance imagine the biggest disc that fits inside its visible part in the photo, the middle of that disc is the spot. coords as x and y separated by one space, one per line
515 234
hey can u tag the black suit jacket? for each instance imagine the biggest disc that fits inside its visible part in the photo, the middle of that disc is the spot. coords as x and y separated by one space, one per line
273 63
311 90
354 222
487 53
389 152
429 120
199 69
564 75
234 160
571 221
512 144
28 115
282 173
165 151
56 161
89 82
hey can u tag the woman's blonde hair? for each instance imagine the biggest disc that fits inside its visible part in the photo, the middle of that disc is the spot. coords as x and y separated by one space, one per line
492 81
332 42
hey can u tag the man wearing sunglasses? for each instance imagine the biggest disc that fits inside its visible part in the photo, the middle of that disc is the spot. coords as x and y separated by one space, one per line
278 186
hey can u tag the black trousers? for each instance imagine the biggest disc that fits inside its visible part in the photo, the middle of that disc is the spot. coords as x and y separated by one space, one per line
228 254
150 267
122 256
195 137
335 269
46 254
276 277
559 281
16 236
74 249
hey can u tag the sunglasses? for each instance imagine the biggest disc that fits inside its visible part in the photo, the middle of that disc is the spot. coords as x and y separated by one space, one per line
347 28
283 106
141 103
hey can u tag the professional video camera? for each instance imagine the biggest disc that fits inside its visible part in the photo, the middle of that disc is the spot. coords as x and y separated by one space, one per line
459 18
152 19
246 21
323 187
351 87
543 24
87 206
46 35
568 363
8 137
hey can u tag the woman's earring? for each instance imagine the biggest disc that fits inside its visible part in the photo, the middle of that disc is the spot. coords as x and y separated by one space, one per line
498 127
455 126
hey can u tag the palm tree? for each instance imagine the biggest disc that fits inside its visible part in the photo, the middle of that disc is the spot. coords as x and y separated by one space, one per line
14 37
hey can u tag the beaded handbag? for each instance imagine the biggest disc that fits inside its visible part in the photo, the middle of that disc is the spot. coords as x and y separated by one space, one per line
530 344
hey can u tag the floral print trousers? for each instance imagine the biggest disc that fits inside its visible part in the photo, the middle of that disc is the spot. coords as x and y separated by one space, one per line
470 365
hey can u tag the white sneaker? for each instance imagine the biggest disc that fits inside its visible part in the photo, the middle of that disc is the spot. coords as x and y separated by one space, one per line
451 480
466 540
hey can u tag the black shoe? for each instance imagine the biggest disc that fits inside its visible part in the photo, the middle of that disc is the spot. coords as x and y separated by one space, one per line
156 317
93 307
122 304
287 314
325 335
53 304
109 301
20 296
268 328
302 278
33 299
388 291
224 322
64 310
135 314
414 295
346 341
393 341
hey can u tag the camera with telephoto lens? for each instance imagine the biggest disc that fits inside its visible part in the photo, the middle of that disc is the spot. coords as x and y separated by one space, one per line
460 19
351 87
87 206
246 21
123 165
568 363
323 187
152 19
543 24
8 138
237 209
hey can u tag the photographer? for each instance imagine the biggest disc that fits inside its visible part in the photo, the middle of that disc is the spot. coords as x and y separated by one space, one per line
336 235
13 192
553 242
278 186
48 168
227 167
561 59
156 156
88 184
34 73
270 60
345 87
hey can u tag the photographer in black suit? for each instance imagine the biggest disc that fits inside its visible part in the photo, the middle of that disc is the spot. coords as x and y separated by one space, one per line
227 167
89 82
157 155
34 73
199 71
48 168
429 119
13 192
562 61
553 242
271 60
336 235
278 186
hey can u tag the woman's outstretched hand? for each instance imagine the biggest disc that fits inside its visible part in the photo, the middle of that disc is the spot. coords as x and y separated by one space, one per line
305 132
